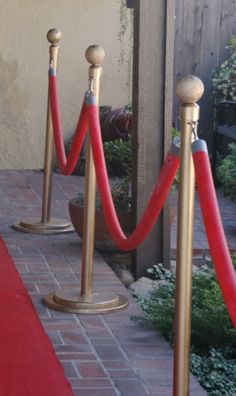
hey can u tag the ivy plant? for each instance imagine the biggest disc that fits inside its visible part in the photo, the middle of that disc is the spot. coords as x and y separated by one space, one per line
216 373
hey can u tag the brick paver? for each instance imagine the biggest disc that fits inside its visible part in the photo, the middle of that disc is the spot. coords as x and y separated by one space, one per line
102 355
228 216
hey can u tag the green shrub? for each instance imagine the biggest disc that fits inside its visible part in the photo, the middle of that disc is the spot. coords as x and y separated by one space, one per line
223 81
211 325
213 339
226 173
234 260
159 311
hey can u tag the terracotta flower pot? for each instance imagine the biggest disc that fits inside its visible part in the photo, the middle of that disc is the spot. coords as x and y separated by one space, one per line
102 238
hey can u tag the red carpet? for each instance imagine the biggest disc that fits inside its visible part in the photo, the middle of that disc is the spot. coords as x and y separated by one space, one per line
28 364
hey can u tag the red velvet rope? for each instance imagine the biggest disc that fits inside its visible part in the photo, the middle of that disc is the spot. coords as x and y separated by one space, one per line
207 197
90 115
66 166
216 238
156 200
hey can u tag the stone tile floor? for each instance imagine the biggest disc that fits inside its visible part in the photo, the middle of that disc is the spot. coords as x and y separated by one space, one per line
107 355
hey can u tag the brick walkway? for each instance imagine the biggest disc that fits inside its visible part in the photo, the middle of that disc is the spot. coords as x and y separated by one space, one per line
200 244
103 355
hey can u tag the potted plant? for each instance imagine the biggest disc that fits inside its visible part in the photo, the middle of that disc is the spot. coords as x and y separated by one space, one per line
120 189
116 128
118 154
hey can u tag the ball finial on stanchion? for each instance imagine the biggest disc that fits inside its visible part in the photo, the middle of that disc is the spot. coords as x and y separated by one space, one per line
190 89
54 36
95 54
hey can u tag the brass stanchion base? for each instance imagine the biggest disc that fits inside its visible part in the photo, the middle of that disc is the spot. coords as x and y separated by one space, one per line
36 226
69 300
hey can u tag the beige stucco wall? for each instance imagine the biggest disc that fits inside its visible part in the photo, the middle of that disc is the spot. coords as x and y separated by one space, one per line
24 65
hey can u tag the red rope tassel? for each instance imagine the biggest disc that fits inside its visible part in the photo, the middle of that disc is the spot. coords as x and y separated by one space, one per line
156 200
66 166
216 238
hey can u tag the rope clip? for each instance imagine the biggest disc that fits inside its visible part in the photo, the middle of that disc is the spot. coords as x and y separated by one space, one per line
91 86
194 125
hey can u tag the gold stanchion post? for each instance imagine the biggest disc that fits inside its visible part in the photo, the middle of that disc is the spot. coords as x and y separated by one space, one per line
85 300
189 91
47 224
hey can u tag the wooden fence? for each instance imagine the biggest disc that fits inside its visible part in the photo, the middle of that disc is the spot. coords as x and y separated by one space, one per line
202 31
